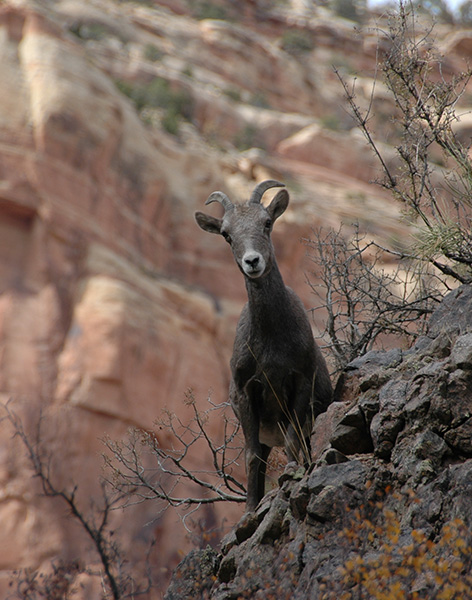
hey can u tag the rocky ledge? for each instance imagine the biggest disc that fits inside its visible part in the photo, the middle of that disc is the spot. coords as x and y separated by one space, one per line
388 501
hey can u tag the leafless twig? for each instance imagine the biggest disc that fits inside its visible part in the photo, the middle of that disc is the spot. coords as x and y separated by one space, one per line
150 470
437 197
362 300
118 583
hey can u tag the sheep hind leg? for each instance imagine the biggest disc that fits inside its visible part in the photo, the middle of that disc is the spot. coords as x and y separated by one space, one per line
256 464
265 451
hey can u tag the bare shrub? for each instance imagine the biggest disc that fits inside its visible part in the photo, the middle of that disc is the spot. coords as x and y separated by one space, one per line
137 470
361 301
432 176
143 469
117 581
59 584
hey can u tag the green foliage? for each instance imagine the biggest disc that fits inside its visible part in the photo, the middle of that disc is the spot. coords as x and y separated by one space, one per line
170 122
246 138
354 10
158 93
90 31
259 100
465 13
342 63
187 71
210 10
233 94
297 42
152 53
143 2
440 238
124 87
331 122
436 8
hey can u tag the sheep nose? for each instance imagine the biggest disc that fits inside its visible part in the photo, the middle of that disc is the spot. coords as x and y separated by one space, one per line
252 261
253 264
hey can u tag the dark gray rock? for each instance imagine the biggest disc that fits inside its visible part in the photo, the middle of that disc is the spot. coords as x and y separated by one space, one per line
352 440
333 457
247 526
351 474
369 405
419 457
375 359
299 499
459 438
389 421
194 576
325 425
352 435
458 494
461 354
454 315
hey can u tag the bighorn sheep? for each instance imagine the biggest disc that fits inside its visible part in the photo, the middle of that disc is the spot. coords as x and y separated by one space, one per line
280 381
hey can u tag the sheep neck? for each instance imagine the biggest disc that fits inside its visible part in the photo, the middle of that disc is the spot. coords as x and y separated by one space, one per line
269 303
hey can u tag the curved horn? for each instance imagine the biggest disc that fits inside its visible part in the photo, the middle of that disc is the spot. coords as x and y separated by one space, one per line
261 188
221 198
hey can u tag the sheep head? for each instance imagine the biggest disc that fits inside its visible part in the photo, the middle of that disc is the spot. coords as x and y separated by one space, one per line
247 227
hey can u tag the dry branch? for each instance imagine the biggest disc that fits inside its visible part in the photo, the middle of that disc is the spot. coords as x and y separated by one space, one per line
144 469
435 196
362 301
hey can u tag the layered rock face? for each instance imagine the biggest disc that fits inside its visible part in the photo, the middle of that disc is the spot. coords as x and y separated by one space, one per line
112 302
388 503
96 332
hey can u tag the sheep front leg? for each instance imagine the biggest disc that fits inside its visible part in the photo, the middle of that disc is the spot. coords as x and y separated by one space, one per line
255 452
244 393
256 457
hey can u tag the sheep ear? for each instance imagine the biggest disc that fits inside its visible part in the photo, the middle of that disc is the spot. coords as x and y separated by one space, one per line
278 204
208 223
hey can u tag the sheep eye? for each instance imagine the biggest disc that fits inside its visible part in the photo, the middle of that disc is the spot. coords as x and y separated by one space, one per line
226 236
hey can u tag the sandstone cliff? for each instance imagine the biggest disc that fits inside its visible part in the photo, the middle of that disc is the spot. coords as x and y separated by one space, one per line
117 119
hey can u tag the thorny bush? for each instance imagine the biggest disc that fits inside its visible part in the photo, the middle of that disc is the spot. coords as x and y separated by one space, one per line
435 191
361 300
431 178
170 472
